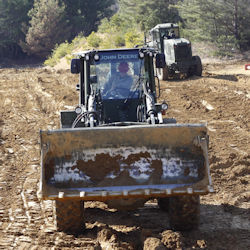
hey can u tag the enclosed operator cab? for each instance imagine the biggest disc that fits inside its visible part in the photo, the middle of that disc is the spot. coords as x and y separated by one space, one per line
113 86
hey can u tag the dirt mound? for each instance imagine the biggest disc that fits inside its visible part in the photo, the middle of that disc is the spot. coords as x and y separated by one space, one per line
30 99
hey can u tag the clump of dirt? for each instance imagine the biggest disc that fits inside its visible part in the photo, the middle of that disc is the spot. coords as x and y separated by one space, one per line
172 240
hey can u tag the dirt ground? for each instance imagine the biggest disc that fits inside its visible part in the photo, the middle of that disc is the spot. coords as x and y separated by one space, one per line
30 99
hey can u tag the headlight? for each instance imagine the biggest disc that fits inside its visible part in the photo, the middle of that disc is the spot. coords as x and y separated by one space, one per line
164 106
78 110
96 57
141 55
87 57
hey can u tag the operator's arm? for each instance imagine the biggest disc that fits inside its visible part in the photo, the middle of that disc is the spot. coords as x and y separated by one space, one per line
109 85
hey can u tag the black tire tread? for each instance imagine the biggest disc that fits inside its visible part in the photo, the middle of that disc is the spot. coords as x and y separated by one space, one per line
69 216
198 68
163 204
184 212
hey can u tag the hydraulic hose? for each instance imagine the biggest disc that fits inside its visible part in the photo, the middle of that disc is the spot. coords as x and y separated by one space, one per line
150 104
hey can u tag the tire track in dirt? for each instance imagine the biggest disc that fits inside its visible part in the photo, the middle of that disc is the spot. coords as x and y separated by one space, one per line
24 216
31 99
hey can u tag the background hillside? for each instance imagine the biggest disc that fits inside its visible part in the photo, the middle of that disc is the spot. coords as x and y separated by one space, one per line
51 29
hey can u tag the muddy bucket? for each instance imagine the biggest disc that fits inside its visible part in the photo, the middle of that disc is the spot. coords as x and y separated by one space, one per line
111 162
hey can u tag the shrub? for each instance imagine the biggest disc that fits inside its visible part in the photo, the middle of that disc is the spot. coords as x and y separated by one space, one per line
119 40
105 26
133 38
94 40
59 52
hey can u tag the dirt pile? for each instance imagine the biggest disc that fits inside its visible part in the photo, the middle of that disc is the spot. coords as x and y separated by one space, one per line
30 99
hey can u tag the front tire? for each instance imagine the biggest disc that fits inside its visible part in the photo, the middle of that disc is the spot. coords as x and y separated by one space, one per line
198 66
69 216
163 204
184 212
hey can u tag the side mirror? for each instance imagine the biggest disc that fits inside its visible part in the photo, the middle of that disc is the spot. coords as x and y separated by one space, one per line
75 66
160 61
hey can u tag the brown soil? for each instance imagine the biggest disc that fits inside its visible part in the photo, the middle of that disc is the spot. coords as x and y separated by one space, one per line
30 99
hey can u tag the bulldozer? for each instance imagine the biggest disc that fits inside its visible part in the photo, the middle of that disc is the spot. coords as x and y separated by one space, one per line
117 146
179 60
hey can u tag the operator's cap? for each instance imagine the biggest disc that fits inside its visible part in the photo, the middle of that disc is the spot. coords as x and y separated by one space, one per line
123 67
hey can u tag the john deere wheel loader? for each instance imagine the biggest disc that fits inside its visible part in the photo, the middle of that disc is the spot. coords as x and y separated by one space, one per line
179 60
116 147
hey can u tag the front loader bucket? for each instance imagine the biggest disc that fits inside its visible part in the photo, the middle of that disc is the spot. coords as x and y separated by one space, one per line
110 162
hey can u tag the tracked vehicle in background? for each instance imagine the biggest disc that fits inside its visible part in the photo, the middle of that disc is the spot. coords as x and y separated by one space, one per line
116 147
166 39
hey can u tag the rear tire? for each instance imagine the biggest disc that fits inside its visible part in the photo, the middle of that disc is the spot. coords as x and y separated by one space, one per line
162 73
184 212
198 66
163 204
69 216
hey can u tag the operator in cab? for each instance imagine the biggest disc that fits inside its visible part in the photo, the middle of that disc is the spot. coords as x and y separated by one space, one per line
119 85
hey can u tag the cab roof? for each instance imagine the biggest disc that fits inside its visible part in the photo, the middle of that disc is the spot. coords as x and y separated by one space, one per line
89 52
165 25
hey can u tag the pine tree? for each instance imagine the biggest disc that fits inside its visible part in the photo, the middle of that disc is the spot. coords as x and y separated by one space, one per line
148 13
85 16
47 27
13 15
224 22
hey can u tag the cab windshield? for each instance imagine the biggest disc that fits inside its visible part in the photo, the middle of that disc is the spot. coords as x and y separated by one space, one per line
169 32
118 74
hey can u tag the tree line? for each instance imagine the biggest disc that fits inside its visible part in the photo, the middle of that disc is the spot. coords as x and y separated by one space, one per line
222 22
34 27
